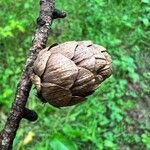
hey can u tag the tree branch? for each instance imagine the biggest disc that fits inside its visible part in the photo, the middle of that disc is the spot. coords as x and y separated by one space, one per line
18 110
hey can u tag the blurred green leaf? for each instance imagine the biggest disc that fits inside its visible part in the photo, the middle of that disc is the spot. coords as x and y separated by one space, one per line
59 142
145 1
146 140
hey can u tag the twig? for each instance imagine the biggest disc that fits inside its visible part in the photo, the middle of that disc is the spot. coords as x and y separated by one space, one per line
18 110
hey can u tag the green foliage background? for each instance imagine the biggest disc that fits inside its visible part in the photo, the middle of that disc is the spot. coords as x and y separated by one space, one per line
116 116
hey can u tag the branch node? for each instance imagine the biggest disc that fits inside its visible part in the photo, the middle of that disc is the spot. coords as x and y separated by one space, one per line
40 21
30 115
59 14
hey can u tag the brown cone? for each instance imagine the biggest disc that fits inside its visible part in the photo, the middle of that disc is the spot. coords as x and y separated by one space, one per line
71 71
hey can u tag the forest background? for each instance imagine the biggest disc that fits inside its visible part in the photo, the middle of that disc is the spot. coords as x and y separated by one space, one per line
117 115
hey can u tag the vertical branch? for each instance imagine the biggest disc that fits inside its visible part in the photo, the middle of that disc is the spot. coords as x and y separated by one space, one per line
43 26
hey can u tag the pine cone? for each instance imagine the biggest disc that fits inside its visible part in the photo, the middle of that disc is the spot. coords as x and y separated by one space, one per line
66 73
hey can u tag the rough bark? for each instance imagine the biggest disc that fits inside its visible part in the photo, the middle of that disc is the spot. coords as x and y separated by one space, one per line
18 110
